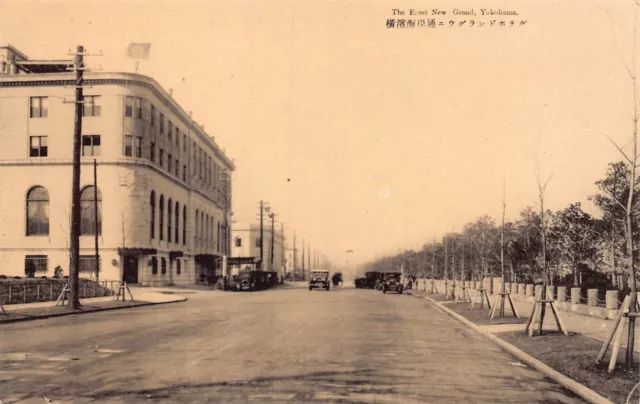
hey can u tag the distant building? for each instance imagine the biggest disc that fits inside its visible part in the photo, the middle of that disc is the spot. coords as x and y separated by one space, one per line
164 185
245 240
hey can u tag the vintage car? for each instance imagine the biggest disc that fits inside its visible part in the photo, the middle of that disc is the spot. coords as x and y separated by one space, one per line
392 283
319 279
249 280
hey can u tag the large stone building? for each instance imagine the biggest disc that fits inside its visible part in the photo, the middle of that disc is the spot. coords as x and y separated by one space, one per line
163 184
245 241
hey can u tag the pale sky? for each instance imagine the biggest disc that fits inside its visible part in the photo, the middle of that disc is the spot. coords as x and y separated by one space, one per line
390 137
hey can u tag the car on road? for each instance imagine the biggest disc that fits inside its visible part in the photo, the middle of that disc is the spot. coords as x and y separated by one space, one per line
319 280
249 280
392 283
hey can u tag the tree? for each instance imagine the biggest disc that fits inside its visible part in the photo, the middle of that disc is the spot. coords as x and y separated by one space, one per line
614 193
573 232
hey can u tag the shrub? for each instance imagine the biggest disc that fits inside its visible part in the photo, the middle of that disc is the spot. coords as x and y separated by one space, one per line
30 269
17 277
43 277
57 272
3 276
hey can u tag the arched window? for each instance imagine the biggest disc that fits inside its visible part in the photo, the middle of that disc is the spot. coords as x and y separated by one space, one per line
153 215
37 212
184 225
90 217
202 229
211 232
169 216
177 239
196 232
219 237
206 232
161 217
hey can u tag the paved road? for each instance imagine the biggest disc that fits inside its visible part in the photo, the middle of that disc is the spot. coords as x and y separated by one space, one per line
279 346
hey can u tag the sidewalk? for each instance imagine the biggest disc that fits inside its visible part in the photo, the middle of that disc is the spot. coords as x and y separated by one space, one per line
142 297
589 326
568 360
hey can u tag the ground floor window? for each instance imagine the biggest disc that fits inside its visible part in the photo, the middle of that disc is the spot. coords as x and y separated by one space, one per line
88 264
164 266
178 267
154 265
36 264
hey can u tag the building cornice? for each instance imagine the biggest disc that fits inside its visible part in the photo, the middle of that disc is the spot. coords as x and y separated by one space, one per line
123 79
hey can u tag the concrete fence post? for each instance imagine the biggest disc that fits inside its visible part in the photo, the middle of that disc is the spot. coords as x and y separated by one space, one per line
507 287
575 295
538 291
521 289
529 290
592 297
562 294
551 292
496 284
611 299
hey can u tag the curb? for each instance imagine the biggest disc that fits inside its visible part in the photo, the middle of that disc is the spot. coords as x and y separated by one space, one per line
583 391
75 313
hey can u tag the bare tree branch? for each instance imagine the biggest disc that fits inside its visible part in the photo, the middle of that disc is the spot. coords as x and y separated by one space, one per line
620 150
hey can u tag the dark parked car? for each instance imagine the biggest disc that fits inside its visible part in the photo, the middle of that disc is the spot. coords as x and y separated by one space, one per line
319 279
392 283
249 280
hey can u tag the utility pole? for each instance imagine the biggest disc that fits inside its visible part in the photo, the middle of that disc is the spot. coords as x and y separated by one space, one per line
295 258
95 218
303 277
272 217
282 259
74 242
262 235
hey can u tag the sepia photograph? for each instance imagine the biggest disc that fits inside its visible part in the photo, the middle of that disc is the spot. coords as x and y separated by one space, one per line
331 201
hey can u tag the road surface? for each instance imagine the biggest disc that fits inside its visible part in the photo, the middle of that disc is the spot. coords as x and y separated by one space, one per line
279 346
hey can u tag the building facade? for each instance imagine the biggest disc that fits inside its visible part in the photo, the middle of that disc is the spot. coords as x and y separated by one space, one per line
245 240
162 205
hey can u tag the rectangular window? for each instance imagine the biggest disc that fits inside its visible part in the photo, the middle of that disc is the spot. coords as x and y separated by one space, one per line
36 264
128 145
161 162
152 152
90 106
138 107
129 102
164 266
257 242
178 139
152 118
170 132
138 146
169 163
154 265
38 146
184 172
39 107
161 123
90 145
238 242
184 144
88 264
177 166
